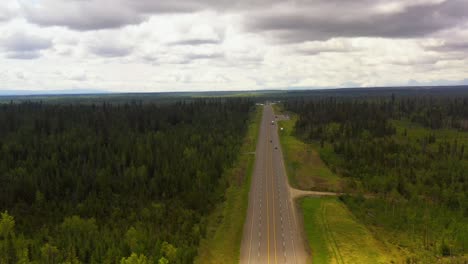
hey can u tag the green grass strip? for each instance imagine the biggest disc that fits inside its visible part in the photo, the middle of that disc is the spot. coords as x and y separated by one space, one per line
226 222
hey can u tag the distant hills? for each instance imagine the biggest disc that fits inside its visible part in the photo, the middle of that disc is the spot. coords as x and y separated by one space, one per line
52 92
318 90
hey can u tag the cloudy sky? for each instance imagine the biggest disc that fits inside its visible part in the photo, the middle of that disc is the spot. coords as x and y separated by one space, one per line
146 45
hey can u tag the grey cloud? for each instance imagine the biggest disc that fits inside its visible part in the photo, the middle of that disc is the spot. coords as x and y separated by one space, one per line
24 55
287 20
20 75
19 42
191 57
166 6
332 46
196 42
313 52
82 15
450 47
86 15
183 58
150 58
87 23
5 16
428 60
318 50
24 46
322 21
246 60
190 36
111 50
186 6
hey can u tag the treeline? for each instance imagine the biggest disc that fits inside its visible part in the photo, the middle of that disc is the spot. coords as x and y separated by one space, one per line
418 182
434 112
96 183
355 115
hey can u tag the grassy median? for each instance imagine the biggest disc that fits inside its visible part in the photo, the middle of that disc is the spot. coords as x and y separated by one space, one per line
226 223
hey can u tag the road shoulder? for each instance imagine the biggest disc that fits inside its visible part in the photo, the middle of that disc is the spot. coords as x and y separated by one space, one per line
330 231
305 168
226 222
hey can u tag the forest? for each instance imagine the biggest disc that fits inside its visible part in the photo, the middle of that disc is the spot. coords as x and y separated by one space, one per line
125 182
404 159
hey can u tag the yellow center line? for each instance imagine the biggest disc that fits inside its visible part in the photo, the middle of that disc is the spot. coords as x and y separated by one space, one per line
267 197
290 206
273 193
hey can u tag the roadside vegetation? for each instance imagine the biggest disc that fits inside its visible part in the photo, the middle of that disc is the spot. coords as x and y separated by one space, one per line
305 168
405 160
117 183
335 236
226 222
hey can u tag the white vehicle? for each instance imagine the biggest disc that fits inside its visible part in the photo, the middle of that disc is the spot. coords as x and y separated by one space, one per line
272 122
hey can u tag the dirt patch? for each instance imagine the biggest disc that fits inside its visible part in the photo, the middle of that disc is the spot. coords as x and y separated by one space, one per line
320 183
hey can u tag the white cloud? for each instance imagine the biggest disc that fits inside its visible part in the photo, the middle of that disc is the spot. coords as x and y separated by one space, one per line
8 10
331 45
126 45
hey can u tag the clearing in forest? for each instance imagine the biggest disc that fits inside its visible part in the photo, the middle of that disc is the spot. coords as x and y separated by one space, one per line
306 171
335 236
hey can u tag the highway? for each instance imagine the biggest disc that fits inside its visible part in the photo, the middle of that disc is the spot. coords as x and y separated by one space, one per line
271 231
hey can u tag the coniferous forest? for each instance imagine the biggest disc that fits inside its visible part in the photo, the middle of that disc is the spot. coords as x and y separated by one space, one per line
406 155
113 183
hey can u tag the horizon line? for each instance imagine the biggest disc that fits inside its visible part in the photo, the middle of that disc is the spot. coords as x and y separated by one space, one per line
71 92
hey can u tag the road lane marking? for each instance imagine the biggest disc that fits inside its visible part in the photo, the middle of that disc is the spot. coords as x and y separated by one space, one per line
273 165
272 177
262 129
274 215
289 206
268 212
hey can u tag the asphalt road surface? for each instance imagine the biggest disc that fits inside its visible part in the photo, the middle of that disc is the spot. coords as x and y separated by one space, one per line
271 231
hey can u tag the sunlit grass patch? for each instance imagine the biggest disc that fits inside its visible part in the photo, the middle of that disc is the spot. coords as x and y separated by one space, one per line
335 236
